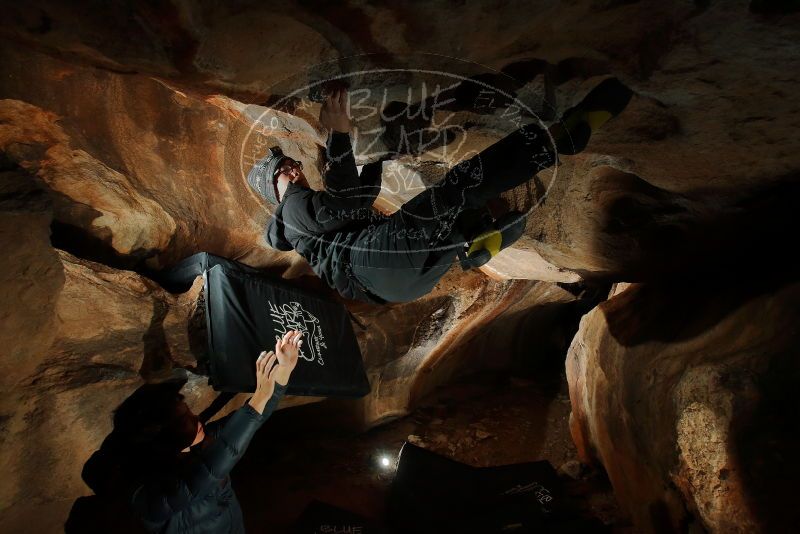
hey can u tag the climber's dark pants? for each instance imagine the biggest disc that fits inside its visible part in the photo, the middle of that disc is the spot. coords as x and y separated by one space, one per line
404 257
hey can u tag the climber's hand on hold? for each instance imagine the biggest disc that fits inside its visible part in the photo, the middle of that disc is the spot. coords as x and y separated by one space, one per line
333 114
265 382
287 350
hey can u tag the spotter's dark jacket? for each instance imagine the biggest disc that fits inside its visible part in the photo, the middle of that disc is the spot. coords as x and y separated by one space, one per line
201 500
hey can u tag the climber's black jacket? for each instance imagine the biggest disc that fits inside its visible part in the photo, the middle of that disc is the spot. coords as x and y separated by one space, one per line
322 225
200 499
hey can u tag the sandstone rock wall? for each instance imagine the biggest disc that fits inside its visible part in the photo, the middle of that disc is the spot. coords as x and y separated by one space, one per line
684 393
125 136
711 124
81 336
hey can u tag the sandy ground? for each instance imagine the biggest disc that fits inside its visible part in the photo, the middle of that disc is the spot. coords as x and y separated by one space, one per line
308 452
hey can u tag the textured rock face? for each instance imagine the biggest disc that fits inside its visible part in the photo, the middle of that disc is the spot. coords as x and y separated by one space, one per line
80 337
143 201
73 340
700 125
711 124
684 393
125 133
461 329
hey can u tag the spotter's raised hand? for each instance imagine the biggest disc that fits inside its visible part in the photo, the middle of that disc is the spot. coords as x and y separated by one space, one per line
287 350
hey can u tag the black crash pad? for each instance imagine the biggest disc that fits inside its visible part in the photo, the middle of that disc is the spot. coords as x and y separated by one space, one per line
180 277
432 493
246 310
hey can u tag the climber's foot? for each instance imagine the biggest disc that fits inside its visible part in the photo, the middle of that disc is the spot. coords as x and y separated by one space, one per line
503 233
604 102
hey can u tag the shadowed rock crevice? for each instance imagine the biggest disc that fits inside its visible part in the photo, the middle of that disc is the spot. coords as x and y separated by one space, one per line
644 314
79 243
156 349
776 7
197 332
630 230
764 430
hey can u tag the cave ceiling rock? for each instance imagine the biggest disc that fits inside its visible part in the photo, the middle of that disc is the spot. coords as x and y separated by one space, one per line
159 194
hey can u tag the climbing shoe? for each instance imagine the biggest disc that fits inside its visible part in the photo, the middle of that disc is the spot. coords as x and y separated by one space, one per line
604 102
503 233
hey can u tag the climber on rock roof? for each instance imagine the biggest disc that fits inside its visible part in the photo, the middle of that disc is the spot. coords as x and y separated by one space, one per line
401 257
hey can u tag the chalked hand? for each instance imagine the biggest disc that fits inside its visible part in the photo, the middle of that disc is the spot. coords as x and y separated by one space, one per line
333 114
287 350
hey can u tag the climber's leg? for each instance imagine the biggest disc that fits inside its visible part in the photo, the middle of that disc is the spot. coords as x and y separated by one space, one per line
406 256
605 101
471 183
517 157
402 259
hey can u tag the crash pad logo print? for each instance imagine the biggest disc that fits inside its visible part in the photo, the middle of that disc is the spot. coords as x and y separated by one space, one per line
292 316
